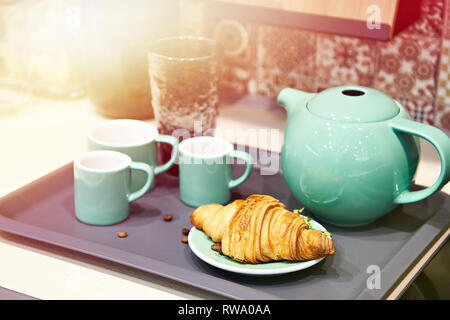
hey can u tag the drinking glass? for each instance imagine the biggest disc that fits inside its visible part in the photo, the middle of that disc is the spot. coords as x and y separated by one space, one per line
184 76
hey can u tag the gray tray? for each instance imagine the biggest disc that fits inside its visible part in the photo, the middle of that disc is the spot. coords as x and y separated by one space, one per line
43 210
6 294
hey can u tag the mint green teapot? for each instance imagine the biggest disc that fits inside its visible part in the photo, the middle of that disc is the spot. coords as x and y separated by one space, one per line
350 153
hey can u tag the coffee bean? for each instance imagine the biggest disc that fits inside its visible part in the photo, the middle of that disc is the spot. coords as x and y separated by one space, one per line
217 247
167 217
184 239
122 234
185 231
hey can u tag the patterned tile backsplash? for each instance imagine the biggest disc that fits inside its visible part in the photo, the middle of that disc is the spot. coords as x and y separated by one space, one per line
408 66
413 67
431 20
289 63
239 67
345 60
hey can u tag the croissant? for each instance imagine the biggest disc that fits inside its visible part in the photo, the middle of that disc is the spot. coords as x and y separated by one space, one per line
260 229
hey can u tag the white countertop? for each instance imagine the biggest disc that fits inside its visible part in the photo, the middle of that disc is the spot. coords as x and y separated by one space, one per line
48 134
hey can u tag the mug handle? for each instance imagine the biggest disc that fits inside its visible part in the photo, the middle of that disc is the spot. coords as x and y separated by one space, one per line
248 167
440 141
163 138
150 177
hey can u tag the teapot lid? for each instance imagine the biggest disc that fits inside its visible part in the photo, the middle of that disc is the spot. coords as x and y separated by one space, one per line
353 104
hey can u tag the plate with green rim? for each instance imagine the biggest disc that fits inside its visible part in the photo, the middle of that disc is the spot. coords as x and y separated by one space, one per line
200 245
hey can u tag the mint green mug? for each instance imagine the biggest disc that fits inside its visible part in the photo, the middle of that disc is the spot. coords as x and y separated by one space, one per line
102 186
205 170
135 138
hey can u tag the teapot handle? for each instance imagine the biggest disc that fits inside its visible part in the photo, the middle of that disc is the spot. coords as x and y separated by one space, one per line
442 144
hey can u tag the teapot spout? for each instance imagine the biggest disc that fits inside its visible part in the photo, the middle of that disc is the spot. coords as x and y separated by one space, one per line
293 100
